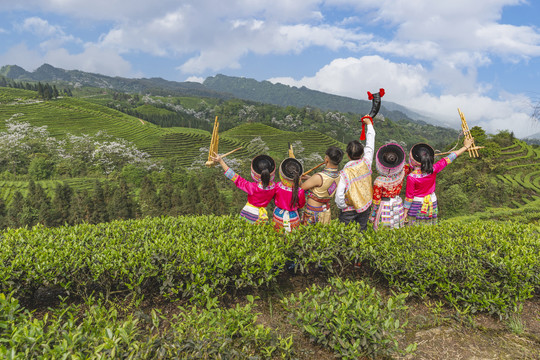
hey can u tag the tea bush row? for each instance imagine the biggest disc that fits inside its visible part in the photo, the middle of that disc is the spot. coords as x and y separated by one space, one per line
479 266
94 331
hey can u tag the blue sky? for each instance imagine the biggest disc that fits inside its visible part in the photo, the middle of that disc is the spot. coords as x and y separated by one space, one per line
430 56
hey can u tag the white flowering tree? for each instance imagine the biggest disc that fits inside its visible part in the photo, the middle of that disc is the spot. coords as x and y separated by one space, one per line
21 142
112 155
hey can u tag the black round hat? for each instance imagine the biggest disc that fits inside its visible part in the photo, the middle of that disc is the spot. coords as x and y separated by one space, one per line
288 167
261 162
416 150
391 155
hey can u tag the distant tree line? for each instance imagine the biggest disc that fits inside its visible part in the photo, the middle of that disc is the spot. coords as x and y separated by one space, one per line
45 91
171 115
114 200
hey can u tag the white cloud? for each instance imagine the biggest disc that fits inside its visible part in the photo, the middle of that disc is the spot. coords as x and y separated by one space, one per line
92 59
22 56
195 79
409 86
40 27
142 10
353 77
509 113
53 34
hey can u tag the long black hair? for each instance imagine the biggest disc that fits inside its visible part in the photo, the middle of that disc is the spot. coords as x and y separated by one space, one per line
265 177
264 165
426 162
293 169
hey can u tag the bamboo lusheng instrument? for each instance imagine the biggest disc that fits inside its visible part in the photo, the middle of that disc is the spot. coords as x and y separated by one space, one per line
291 152
314 168
448 152
214 143
473 152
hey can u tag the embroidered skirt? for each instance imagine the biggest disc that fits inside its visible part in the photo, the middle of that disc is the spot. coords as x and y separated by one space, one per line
423 211
390 214
284 219
254 214
316 214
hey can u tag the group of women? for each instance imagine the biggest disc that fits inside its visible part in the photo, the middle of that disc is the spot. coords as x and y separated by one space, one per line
385 207
420 206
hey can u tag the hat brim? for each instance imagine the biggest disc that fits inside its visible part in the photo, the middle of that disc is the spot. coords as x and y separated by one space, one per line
286 165
391 148
258 162
417 149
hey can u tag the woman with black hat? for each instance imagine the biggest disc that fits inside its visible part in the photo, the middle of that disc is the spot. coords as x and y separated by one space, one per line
420 198
387 210
290 197
260 192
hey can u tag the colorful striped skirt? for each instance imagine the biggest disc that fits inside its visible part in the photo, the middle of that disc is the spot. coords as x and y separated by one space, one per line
254 214
316 214
423 211
390 214
287 220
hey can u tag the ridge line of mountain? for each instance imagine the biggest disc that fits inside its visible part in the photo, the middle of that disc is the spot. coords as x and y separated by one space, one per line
218 86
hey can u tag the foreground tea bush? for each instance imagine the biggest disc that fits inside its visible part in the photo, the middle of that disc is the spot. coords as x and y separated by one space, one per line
93 331
215 333
479 266
181 257
98 334
350 318
482 266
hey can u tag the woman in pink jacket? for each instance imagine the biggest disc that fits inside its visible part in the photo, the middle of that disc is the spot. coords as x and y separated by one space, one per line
420 199
290 197
260 192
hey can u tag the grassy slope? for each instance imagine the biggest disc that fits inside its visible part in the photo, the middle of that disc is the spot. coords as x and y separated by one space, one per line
522 162
77 116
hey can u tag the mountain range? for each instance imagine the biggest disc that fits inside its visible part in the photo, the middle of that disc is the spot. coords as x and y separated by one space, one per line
219 86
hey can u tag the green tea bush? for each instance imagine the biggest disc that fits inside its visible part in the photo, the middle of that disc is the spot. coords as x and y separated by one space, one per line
349 317
181 257
480 266
212 332
97 334
93 331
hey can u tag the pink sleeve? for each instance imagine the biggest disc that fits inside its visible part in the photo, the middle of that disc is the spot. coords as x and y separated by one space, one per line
439 165
240 182
409 192
444 161
244 185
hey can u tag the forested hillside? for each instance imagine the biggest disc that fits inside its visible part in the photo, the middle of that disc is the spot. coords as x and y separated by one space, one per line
285 95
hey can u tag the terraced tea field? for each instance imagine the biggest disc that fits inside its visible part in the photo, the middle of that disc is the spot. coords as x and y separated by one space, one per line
188 146
523 169
305 144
